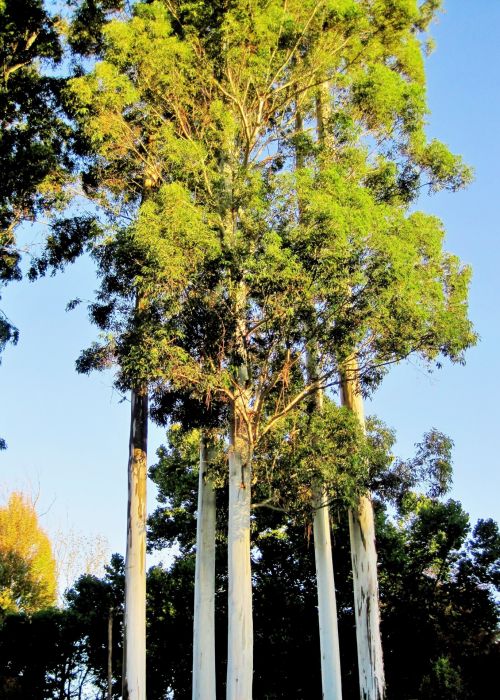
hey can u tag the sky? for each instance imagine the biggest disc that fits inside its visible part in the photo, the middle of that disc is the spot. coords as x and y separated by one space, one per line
67 434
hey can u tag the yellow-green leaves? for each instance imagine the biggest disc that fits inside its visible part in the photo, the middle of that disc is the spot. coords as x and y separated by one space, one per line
174 235
385 98
446 170
27 565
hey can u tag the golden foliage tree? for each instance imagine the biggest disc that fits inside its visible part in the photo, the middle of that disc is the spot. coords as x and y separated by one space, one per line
28 580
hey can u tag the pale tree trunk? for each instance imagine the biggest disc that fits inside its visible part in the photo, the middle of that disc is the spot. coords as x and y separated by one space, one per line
364 564
134 653
327 604
204 584
331 680
240 630
240 622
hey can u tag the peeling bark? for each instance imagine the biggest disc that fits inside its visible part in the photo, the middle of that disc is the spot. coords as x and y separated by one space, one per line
204 585
134 652
364 565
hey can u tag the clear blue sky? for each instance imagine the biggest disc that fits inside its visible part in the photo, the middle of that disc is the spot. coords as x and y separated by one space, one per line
68 434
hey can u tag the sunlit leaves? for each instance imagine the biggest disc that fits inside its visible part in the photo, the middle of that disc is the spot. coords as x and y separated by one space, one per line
27 565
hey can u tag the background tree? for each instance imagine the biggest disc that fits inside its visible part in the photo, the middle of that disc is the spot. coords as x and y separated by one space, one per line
27 564
435 573
438 577
62 653
34 158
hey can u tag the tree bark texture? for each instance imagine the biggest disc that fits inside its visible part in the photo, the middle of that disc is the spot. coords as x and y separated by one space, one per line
204 584
134 655
364 564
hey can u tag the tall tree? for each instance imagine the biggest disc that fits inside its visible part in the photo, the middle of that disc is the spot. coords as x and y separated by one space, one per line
201 102
372 107
144 265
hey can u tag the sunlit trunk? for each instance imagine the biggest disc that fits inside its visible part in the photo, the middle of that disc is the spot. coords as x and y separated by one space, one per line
240 623
204 584
134 653
331 680
240 631
364 565
327 605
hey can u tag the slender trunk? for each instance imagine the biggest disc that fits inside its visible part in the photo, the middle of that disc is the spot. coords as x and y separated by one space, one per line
240 630
134 652
331 679
364 565
327 604
110 654
240 623
204 585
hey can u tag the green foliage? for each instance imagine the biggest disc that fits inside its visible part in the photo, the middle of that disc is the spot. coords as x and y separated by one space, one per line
34 158
395 480
32 145
63 652
188 120
444 682
309 448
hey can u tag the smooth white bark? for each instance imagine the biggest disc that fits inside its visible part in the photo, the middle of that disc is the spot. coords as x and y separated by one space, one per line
331 678
364 567
327 604
204 585
240 629
134 657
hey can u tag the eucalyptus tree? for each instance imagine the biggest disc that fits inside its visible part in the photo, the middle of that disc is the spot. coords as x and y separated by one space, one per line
201 143
150 248
196 105
402 294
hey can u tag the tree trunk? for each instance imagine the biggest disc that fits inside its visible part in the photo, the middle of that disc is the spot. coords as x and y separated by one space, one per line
240 630
240 622
364 565
134 652
204 585
331 680
110 654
